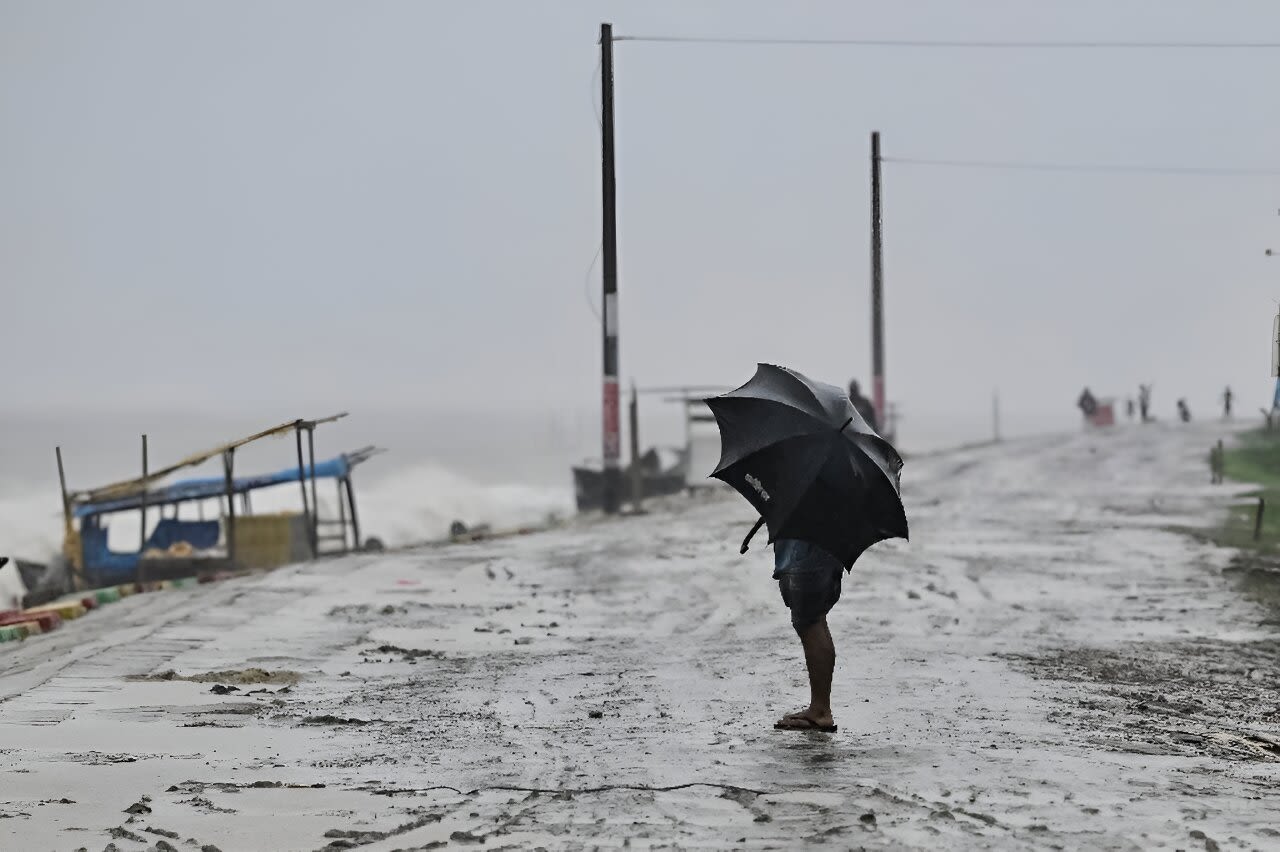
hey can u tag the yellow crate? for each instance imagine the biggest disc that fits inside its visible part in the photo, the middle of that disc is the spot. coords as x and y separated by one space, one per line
268 541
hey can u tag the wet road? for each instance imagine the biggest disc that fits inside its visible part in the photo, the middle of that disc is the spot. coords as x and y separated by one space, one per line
1047 664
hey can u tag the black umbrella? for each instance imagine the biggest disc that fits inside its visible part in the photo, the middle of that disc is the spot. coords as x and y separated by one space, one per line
810 465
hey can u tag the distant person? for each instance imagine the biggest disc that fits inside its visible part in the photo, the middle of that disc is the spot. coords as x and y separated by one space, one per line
1129 407
1144 402
1087 403
1216 464
1184 413
1226 403
866 410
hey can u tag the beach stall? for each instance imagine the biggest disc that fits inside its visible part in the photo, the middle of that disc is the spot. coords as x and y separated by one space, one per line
225 534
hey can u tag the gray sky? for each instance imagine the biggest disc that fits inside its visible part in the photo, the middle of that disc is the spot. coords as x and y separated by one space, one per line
274 205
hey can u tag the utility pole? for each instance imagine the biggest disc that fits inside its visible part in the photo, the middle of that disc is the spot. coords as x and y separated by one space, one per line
609 304
877 288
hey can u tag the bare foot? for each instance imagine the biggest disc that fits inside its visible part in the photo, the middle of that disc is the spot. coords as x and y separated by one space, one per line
807 720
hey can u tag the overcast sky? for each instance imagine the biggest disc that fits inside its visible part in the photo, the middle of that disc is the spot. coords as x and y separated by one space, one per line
329 205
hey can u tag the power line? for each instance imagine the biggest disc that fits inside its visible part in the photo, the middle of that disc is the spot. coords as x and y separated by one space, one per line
957 44
1222 171
587 286
597 110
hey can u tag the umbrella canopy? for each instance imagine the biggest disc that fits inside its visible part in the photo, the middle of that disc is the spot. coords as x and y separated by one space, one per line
813 468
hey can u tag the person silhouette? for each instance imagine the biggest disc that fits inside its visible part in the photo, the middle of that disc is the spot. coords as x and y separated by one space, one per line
866 410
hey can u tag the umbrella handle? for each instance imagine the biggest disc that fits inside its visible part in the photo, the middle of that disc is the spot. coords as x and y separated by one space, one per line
746 541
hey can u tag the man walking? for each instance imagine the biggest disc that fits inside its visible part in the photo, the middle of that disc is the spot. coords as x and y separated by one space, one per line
797 450
809 580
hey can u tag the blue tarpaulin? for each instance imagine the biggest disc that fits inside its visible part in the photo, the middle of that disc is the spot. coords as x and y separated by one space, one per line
103 563
109 566
212 487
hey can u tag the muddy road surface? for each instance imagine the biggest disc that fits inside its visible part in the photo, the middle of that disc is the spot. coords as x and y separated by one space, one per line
1048 664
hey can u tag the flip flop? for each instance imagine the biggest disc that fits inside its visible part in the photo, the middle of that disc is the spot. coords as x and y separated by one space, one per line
788 724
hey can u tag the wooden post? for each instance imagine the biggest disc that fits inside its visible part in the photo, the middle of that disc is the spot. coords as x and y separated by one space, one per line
688 422
228 463
77 570
302 479
1257 522
315 503
637 479
342 516
62 481
142 517
355 519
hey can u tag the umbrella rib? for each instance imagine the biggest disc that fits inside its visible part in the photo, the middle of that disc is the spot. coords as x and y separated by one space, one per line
802 384
880 444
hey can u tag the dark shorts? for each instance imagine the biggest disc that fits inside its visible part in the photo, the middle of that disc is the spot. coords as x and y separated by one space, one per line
810 593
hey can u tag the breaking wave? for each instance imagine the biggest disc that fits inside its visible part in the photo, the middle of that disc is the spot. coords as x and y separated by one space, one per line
420 502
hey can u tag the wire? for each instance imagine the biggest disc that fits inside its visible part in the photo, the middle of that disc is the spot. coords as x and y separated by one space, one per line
587 285
1083 167
597 109
981 45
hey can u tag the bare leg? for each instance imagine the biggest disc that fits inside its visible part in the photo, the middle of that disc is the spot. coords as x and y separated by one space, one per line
820 658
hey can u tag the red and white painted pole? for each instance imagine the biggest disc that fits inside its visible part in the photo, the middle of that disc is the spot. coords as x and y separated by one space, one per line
877 290
612 496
